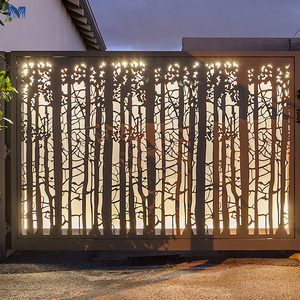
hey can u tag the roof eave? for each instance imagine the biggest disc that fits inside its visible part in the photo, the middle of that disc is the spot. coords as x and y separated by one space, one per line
85 22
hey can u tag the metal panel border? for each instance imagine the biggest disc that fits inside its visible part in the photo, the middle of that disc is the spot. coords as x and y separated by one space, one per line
173 243
2 179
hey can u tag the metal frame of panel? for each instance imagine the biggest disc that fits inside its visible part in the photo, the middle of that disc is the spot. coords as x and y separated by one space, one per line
165 82
3 225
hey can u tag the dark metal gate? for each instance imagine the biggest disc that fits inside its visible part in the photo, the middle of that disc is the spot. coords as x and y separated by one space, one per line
162 151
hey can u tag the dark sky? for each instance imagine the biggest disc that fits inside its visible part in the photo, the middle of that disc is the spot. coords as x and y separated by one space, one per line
161 24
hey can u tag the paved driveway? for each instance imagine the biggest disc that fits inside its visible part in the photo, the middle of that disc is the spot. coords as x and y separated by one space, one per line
84 275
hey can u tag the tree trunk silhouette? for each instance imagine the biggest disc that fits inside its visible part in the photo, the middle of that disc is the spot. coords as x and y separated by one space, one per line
140 172
191 143
57 144
86 171
122 160
150 136
244 146
29 173
284 144
46 166
70 155
201 152
163 156
107 156
272 157
132 214
98 136
256 154
38 198
225 215
216 160
179 158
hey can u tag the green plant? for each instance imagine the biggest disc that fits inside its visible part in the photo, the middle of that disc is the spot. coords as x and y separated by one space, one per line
4 7
5 87
6 90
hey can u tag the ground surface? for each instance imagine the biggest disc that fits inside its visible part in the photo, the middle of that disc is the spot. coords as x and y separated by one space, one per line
88 275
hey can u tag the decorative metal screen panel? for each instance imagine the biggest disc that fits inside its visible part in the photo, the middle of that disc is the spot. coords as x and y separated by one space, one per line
156 146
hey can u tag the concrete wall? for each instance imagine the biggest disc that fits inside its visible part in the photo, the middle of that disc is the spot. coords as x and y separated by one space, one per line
46 27
240 44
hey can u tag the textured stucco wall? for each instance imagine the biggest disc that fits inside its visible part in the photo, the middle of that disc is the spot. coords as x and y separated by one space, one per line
240 44
46 27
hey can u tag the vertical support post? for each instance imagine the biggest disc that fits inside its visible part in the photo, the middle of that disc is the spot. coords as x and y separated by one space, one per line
13 162
2 183
2 194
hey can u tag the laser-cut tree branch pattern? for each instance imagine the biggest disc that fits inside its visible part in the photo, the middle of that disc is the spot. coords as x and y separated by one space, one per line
155 147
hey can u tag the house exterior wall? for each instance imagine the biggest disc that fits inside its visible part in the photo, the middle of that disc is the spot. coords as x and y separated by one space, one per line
240 44
46 26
